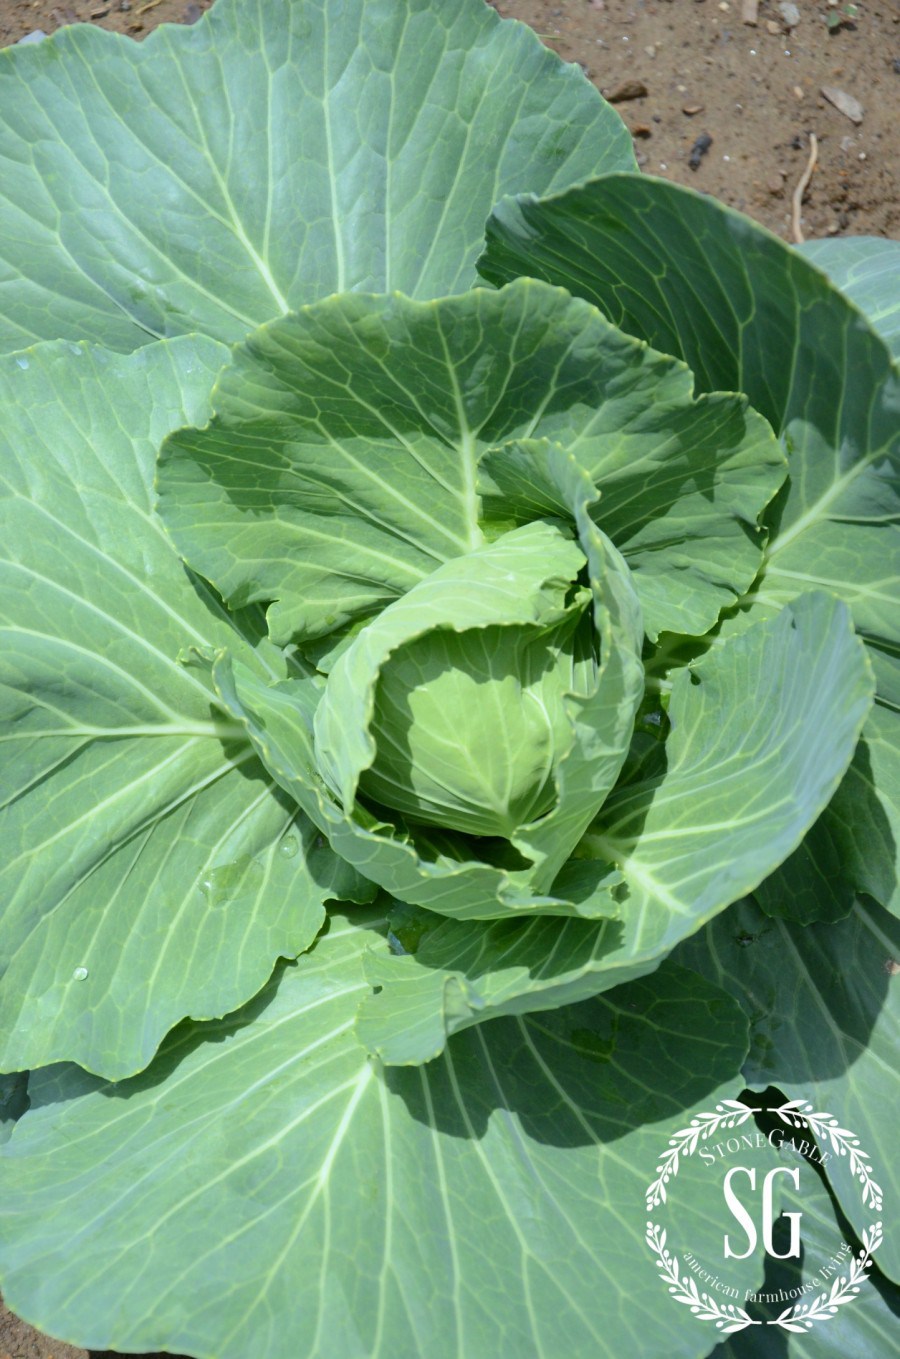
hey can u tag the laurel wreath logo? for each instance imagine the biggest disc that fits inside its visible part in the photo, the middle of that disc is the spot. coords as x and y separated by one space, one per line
799 1317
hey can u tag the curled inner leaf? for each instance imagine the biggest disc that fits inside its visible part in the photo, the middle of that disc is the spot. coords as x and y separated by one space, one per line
469 726
452 707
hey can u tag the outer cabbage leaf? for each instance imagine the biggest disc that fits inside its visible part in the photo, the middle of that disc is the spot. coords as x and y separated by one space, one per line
277 151
147 853
490 1203
342 463
853 845
825 1015
867 270
746 776
445 975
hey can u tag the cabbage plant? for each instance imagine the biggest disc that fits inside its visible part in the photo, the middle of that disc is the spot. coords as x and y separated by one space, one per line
450 687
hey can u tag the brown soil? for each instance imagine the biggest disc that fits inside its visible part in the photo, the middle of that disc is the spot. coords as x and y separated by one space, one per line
756 91
137 18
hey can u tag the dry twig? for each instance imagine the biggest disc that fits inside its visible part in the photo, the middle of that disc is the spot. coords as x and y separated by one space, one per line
797 201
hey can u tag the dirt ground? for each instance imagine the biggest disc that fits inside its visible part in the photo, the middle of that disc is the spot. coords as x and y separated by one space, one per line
695 70
756 91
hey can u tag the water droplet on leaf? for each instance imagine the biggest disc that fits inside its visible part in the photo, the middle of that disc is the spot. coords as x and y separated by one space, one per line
80 974
289 846
228 881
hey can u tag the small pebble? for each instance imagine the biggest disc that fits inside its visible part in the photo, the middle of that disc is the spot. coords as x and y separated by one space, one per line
844 103
627 89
